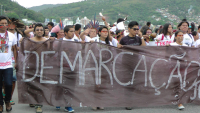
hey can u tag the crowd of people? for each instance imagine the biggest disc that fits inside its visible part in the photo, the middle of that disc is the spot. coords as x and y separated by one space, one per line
12 32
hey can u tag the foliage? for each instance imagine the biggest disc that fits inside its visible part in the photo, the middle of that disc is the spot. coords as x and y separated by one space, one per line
13 9
135 9
42 7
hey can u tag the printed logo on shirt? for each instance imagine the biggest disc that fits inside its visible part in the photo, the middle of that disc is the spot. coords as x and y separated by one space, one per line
3 46
5 64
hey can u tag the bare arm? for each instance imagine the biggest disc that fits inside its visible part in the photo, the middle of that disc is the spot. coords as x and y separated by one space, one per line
14 48
104 19
26 32
143 43
82 35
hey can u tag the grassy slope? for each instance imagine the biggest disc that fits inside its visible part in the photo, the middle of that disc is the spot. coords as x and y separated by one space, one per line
135 9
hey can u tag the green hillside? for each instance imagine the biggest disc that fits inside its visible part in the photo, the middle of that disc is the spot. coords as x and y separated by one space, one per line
135 9
13 9
42 7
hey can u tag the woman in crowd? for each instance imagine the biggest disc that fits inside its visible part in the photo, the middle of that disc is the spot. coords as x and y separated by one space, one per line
146 35
188 39
166 34
179 42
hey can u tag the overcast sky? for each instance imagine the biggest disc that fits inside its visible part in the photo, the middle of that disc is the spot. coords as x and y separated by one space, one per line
31 3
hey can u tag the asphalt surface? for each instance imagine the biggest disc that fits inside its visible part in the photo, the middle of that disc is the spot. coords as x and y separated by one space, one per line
24 108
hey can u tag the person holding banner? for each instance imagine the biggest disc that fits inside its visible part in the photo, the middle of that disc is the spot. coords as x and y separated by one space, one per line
38 38
166 35
13 27
179 42
69 36
196 39
179 39
77 32
8 43
188 39
46 35
132 38
146 35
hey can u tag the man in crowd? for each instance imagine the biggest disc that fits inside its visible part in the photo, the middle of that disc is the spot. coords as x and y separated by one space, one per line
77 32
8 43
39 32
132 39
50 25
198 30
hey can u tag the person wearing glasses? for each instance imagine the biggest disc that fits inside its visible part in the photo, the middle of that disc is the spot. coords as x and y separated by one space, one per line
8 42
132 38
146 35
188 39
39 38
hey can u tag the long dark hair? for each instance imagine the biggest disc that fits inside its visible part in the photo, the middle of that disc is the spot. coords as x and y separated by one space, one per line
165 29
145 31
107 39
176 33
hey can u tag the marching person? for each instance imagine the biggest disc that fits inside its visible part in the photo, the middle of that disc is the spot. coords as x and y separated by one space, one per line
188 39
13 27
8 43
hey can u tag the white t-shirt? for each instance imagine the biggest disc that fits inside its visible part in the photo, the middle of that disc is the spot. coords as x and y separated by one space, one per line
147 43
166 38
18 39
79 39
188 40
6 52
88 39
31 34
199 35
73 39
96 39
196 43
175 44
114 42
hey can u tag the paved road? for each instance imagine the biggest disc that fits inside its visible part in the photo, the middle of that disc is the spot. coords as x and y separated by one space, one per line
24 108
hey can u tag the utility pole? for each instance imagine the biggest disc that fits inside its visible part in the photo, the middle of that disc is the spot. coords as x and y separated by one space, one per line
1 9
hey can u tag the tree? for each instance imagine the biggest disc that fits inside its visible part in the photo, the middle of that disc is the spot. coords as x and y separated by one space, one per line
12 15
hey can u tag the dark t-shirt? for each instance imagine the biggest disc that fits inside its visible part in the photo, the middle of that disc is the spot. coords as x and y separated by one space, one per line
134 41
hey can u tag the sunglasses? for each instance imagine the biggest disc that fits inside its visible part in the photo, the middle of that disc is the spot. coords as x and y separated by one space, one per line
135 29
104 31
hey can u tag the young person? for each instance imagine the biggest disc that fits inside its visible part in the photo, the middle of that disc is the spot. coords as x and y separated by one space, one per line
166 33
196 39
146 35
69 36
46 35
188 39
50 26
179 42
178 39
77 32
8 43
13 27
38 38
132 38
